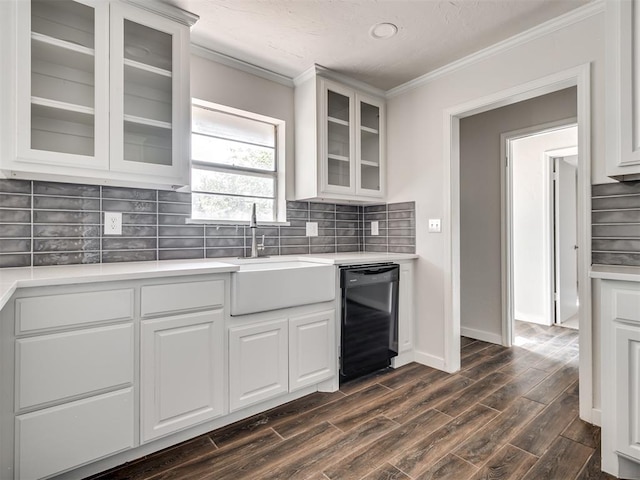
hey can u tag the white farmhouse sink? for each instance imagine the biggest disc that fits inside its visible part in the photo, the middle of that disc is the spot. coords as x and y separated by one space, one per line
263 286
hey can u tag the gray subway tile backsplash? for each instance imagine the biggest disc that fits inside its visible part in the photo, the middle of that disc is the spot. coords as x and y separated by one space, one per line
615 224
49 223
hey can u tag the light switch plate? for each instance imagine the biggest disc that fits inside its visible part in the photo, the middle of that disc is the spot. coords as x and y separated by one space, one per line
434 225
374 228
312 229
112 223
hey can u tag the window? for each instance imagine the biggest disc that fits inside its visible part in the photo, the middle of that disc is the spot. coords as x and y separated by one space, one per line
236 160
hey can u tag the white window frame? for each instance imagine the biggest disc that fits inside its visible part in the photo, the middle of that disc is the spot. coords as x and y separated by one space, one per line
279 177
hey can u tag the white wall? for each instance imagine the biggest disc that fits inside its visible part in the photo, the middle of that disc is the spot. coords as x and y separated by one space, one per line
480 202
532 252
415 145
218 83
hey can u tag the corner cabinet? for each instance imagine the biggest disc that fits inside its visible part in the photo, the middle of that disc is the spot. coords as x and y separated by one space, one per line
620 316
340 142
101 92
623 90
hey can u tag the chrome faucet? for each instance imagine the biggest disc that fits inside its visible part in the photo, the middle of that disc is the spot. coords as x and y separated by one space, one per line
253 225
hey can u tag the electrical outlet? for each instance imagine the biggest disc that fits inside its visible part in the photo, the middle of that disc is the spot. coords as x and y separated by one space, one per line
374 228
434 225
112 223
312 229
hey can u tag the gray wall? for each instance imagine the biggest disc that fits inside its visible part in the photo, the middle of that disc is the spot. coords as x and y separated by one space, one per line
615 224
480 222
47 223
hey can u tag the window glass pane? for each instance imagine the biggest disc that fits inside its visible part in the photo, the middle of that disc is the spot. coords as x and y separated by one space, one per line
232 127
226 152
237 184
222 207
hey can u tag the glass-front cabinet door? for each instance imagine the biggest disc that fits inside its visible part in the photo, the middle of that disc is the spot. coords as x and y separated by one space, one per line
339 149
369 147
147 85
62 82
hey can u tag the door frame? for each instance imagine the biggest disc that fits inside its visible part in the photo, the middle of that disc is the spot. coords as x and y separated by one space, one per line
506 205
580 77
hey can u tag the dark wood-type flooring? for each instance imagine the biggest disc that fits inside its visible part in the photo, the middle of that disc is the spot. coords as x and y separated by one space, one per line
508 414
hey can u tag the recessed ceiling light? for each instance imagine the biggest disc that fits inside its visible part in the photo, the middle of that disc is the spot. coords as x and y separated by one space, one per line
383 30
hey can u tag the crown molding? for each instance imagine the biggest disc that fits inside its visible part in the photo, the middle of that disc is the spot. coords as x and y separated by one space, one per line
246 67
569 18
168 11
338 77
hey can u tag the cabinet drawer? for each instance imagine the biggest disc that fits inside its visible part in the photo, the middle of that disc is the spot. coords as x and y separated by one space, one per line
58 366
39 313
176 297
59 438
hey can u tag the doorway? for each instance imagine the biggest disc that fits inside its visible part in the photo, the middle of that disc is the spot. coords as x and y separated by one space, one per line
540 222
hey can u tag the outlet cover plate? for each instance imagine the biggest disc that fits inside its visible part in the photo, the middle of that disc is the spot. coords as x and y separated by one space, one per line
434 225
112 223
312 229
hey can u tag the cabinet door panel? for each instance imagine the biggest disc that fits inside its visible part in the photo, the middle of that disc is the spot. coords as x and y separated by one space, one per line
627 341
54 367
258 363
370 146
312 341
182 365
59 438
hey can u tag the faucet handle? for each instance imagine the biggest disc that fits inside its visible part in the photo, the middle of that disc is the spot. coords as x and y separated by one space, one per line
261 245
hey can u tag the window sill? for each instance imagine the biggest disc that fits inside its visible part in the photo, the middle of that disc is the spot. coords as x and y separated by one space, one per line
202 221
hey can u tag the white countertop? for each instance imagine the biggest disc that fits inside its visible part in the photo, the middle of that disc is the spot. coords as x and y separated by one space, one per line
615 272
13 278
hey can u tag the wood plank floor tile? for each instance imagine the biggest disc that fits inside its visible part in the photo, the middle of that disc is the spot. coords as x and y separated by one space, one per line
470 395
494 363
592 469
228 455
474 347
405 372
450 467
464 341
583 432
424 374
363 460
564 460
536 437
504 396
236 431
387 472
409 406
552 362
160 462
431 448
301 422
491 437
314 461
288 450
552 386
510 463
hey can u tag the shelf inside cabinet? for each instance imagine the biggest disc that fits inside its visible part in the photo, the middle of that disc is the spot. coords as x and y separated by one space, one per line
369 130
66 20
146 143
369 164
338 121
61 52
147 121
63 128
64 111
340 158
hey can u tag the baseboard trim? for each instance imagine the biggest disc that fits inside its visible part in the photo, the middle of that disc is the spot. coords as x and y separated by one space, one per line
596 417
430 360
481 335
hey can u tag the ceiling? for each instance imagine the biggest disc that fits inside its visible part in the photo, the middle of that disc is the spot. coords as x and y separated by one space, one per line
289 36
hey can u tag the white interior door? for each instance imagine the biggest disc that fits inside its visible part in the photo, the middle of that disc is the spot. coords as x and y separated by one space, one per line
566 239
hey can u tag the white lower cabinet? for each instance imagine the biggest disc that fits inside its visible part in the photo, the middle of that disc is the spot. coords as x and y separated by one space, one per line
312 349
258 362
621 378
279 352
58 438
182 372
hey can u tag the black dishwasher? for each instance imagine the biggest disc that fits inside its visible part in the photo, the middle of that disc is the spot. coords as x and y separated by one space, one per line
369 323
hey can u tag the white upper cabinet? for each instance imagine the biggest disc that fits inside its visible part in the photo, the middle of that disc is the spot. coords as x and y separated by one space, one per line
340 142
623 89
101 92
